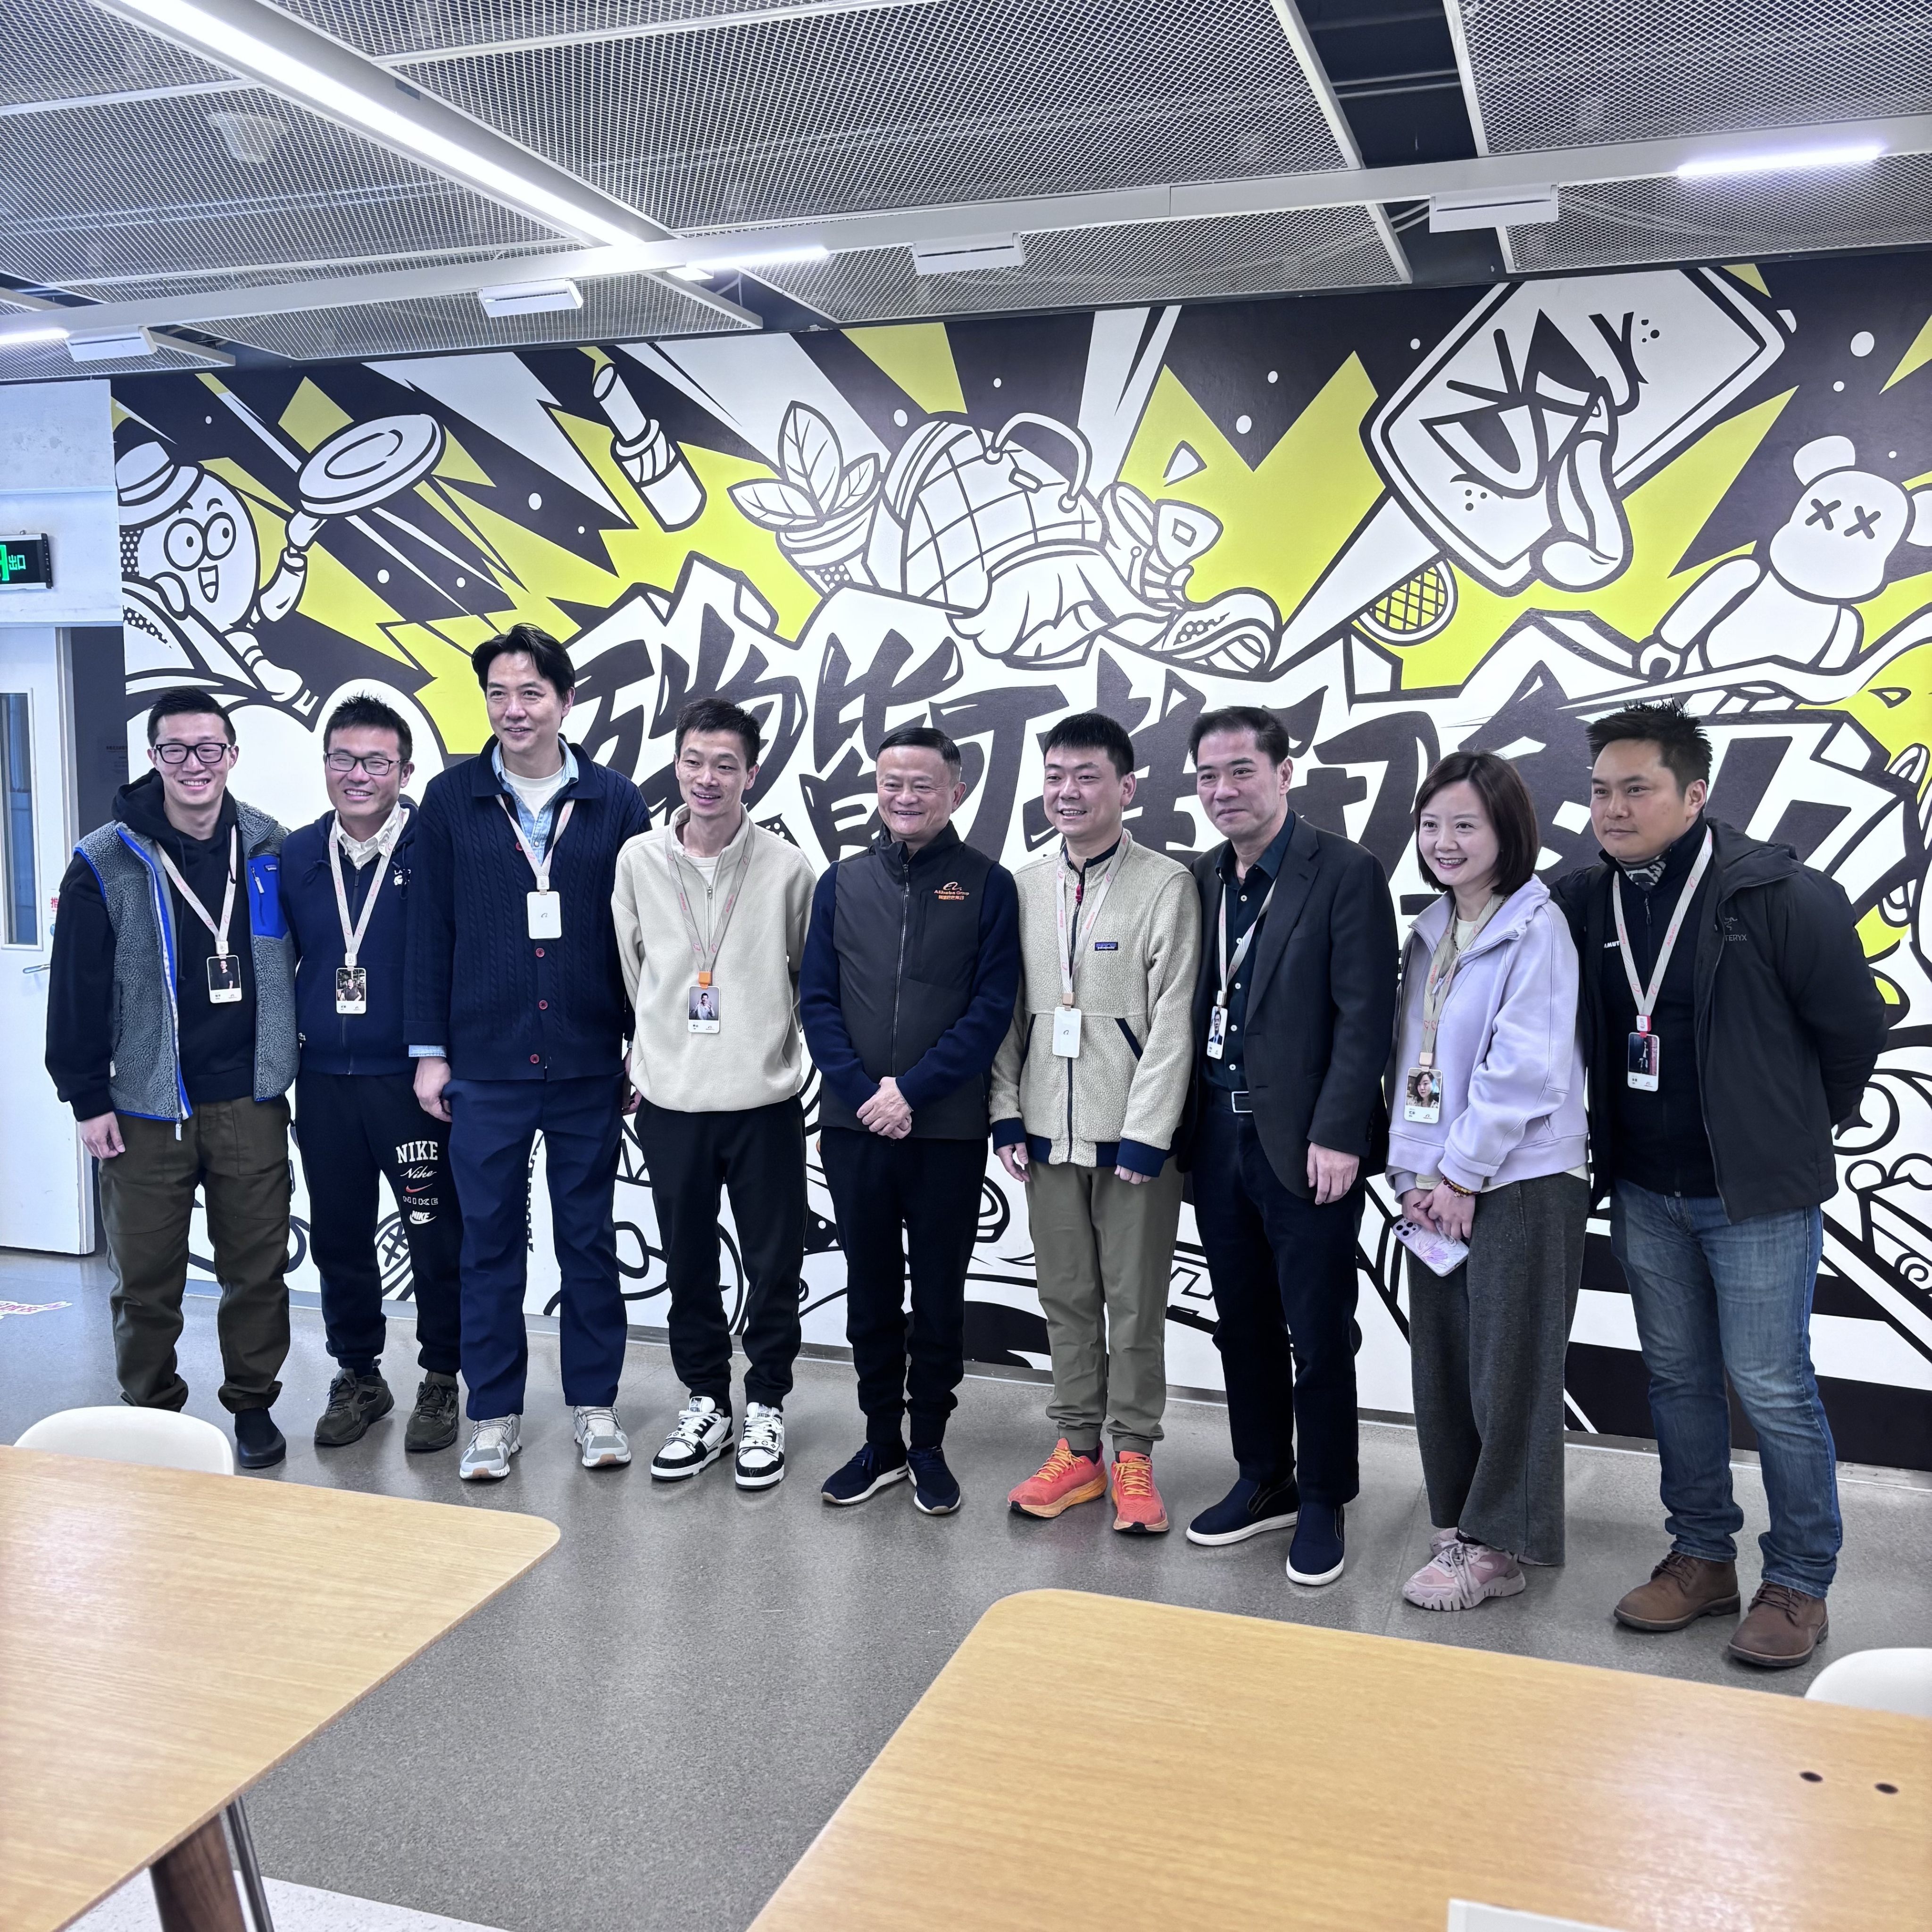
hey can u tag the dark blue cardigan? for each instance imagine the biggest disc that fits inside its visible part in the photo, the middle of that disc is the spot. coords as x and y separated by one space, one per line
504 1006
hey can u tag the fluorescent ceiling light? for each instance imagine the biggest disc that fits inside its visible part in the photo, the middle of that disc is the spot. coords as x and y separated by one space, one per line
514 298
111 345
726 265
16 338
1854 154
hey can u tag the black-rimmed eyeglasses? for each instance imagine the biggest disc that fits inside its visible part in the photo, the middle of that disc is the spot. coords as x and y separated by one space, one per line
374 763
171 752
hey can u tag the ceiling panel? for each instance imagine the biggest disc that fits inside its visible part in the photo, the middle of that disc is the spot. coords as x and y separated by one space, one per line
63 49
39 361
1085 268
128 288
1568 74
957 100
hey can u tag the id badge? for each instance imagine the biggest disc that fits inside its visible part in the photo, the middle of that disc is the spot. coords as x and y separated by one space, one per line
224 978
1646 1056
701 1009
1067 1032
1217 1032
352 989
546 915
1422 1095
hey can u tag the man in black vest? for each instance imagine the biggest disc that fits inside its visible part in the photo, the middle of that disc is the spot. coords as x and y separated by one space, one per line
911 968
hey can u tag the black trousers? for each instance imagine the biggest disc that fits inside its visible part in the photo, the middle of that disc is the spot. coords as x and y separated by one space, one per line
759 1154
1283 1273
353 1128
905 1208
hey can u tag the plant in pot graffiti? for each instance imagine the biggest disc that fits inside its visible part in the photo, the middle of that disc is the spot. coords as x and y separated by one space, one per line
818 506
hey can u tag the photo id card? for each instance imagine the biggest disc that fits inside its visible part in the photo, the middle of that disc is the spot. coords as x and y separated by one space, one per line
1067 1032
352 989
1217 1032
1422 1095
1646 1056
546 915
701 1009
224 978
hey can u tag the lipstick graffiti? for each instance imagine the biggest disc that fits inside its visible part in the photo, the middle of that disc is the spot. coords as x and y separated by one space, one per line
1407 523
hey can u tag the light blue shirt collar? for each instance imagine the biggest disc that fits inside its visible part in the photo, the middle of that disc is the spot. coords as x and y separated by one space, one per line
536 825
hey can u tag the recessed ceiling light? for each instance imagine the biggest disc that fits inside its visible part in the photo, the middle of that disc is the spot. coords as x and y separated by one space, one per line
1850 154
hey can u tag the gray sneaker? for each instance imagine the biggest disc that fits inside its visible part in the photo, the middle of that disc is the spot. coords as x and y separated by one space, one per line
433 1423
603 1444
354 1402
492 1444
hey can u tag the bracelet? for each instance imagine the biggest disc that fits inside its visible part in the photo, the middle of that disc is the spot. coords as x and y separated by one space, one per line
1468 1193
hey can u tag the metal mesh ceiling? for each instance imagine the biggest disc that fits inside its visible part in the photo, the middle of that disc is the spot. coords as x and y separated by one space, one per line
1083 267
44 362
957 100
126 288
64 49
1887 205
1567 73
619 308
148 188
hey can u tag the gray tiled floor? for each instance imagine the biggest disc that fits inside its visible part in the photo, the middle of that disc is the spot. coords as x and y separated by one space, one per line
647 1731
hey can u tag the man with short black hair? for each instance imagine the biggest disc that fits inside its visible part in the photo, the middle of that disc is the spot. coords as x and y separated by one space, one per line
346 885
514 1011
174 1042
1088 1091
1730 1024
911 965
711 912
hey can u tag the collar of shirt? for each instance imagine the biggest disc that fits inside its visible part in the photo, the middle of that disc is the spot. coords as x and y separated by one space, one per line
360 851
1672 863
1082 872
535 824
1269 864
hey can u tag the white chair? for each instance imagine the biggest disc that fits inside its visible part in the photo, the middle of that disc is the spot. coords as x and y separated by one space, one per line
1878 1680
159 1439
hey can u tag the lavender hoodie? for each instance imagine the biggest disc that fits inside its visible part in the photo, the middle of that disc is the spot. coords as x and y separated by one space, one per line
1507 1048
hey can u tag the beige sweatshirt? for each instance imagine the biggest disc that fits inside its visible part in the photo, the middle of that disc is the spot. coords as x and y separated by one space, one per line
756 1057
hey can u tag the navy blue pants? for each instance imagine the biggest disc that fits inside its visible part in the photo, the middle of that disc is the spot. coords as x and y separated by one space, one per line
492 1125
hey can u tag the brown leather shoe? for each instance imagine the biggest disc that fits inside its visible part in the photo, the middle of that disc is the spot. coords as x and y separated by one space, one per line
1783 1627
1681 1589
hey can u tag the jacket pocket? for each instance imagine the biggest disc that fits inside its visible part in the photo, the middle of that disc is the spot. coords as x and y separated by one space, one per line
265 919
1127 1034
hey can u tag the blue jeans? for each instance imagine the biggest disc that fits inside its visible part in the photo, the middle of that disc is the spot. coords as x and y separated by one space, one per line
1712 1297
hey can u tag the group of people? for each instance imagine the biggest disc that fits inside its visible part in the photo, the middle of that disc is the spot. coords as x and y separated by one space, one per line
1676 1029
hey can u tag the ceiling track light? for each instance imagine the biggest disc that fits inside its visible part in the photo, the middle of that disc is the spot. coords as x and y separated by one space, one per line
1717 167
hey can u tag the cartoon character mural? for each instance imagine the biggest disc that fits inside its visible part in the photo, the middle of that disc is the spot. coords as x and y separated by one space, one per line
1406 523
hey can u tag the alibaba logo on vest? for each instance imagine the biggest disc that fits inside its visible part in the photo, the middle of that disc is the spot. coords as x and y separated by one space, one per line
952 890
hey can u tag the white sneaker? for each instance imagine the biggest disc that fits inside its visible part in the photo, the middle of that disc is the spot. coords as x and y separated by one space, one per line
492 1444
701 1434
761 1448
604 1444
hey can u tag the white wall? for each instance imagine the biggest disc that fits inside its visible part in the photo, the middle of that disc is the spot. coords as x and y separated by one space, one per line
57 475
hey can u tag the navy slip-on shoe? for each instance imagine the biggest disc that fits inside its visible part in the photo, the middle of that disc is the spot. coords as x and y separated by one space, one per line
935 1489
865 1475
1314 1557
258 1444
1248 1509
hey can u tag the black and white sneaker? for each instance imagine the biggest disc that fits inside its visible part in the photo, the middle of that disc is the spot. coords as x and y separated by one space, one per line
761 1460
700 1435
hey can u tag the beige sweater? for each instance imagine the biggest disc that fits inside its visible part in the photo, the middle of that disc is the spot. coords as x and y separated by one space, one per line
1133 981
757 1058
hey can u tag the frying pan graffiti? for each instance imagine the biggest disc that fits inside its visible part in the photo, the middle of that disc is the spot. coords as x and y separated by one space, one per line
1406 524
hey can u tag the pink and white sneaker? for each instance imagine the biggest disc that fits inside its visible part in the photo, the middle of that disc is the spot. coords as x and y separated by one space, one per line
1461 1575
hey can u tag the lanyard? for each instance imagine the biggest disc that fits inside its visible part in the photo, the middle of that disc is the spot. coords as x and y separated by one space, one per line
1069 940
540 866
352 937
706 957
1645 997
1442 965
1229 967
195 906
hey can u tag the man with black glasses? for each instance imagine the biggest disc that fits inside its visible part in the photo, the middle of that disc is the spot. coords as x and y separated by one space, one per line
171 1032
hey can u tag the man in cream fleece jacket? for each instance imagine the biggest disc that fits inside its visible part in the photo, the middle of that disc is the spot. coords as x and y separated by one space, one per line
711 912
1088 1091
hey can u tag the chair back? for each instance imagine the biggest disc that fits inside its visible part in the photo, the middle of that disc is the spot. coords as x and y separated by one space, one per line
157 1437
1878 1680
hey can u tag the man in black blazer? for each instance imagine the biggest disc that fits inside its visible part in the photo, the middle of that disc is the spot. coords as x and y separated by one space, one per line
1293 1014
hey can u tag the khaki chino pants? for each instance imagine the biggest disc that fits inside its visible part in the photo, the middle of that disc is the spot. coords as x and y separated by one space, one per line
1104 1249
236 1152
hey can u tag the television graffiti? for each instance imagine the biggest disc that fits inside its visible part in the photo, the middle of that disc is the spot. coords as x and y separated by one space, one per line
1406 523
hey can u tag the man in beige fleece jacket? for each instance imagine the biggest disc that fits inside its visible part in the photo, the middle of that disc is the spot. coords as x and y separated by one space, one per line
711 912
1087 1092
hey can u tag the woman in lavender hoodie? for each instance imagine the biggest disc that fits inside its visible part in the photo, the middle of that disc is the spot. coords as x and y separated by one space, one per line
1487 1146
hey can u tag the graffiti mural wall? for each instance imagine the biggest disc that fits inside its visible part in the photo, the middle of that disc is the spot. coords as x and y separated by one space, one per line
1405 523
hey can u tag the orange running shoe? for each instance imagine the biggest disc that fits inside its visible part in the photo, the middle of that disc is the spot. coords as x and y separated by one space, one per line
1138 1508
1062 1481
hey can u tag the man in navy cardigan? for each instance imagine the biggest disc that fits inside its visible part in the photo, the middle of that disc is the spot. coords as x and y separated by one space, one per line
516 1017
356 1114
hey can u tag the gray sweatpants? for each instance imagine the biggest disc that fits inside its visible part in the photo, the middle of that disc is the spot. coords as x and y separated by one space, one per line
1486 1346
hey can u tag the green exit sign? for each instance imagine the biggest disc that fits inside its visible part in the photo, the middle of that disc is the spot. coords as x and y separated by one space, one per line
26 563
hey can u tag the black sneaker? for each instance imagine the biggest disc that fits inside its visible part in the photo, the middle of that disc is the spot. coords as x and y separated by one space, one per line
258 1444
354 1402
1248 1509
866 1474
434 1421
935 1489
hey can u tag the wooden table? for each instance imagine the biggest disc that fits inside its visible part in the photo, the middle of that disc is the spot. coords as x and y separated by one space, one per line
165 1639
1085 1762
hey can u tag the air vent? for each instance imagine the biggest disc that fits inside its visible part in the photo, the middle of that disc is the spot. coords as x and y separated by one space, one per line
975 251
515 298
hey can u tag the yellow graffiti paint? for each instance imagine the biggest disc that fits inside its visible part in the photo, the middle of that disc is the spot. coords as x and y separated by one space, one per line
1748 271
918 356
312 418
452 697
1915 358
456 464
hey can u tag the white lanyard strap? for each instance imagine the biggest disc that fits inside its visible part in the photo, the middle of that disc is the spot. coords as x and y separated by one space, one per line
706 956
1229 967
539 862
194 905
1069 924
1645 997
1447 956
352 936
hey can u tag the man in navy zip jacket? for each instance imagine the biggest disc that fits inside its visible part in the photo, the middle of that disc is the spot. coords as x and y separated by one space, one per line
515 1015
356 1113
911 968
